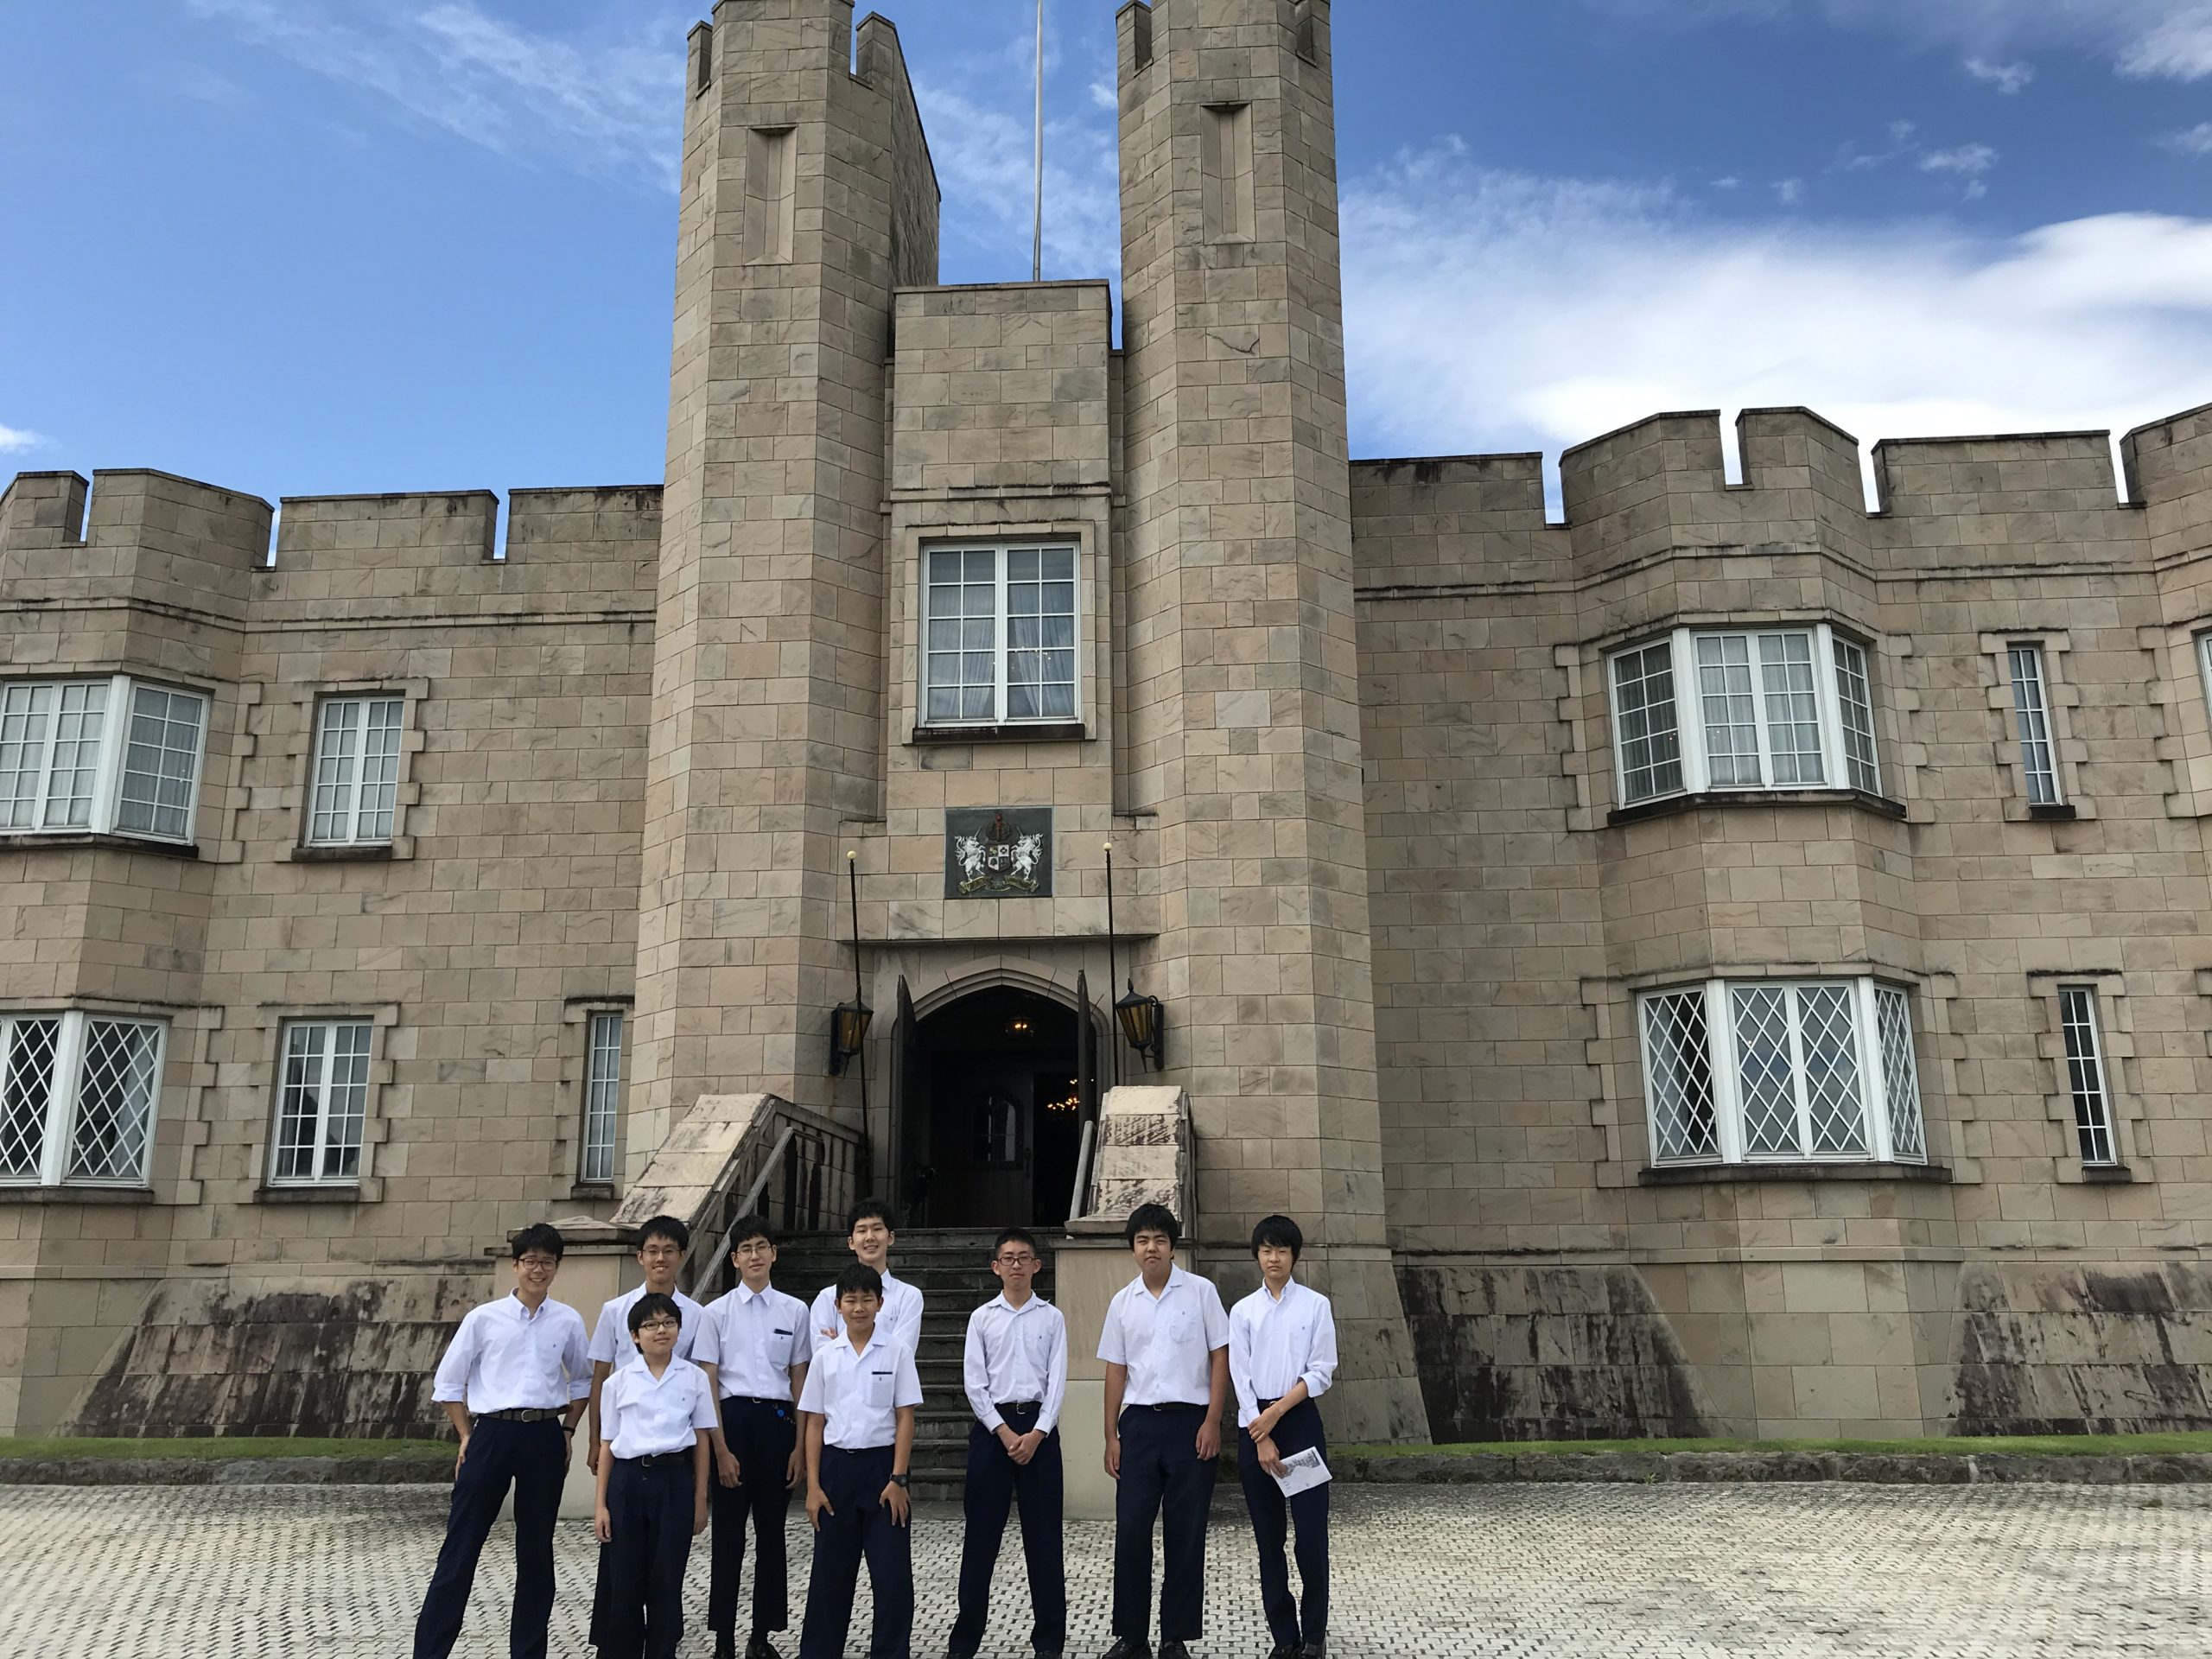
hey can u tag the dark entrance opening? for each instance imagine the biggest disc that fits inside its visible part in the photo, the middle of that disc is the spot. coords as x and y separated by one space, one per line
991 1108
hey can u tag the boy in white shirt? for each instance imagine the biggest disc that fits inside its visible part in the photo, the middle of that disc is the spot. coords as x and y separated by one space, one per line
755 1341
663 1242
514 1382
1166 1345
656 1413
858 1416
1283 1356
1016 1376
871 1231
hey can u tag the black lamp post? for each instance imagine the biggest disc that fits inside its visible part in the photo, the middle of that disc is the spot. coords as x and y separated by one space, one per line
849 1023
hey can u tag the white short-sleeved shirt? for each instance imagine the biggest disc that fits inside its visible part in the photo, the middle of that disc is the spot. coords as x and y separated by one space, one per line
612 1343
506 1358
642 1415
1275 1344
1016 1354
900 1318
752 1341
1168 1341
857 1395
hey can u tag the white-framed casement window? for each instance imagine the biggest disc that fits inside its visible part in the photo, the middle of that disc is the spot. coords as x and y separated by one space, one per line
356 770
78 1098
1779 1071
1000 625
322 1103
602 1098
2204 666
1788 707
109 756
2085 1075
2031 716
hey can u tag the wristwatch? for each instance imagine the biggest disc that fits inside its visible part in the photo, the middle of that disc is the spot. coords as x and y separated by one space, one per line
900 1481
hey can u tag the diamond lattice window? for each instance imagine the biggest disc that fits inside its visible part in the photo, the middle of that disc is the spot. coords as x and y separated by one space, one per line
78 1095
1768 708
69 761
1778 1071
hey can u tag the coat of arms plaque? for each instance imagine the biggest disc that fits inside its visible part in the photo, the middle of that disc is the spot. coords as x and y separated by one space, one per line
998 853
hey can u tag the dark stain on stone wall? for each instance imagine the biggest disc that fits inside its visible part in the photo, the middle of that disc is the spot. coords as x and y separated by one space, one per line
352 1361
1546 1354
2080 1351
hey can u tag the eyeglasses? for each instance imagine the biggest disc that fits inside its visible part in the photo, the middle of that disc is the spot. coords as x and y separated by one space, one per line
661 1325
1024 1260
538 1263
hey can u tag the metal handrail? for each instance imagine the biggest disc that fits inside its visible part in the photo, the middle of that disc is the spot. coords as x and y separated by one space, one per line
706 1267
1080 1196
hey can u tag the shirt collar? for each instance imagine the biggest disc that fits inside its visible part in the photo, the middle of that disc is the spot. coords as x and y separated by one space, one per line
637 1363
524 1313
1175 1277
745 1293
1289 1293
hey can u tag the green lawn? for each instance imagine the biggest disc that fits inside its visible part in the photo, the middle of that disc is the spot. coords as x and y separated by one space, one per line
217 1449
2042 1446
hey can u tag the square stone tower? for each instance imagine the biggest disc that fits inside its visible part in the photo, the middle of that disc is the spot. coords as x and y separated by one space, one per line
1241 669
807 197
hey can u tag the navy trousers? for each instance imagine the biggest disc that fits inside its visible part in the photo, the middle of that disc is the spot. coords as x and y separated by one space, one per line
761 1435
650 1506
1162 1480
860 1530
1290 1621
995 1483
527 1456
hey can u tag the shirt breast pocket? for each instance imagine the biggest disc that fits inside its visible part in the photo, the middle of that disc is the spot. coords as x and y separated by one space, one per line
1179 1326
877 1390
779 1348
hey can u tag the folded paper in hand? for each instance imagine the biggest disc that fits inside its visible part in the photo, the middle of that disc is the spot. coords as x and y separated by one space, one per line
1302 1471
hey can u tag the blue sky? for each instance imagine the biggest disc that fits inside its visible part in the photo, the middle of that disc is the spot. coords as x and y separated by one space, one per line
310 246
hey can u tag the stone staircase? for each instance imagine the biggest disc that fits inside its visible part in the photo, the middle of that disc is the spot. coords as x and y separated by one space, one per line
951 1268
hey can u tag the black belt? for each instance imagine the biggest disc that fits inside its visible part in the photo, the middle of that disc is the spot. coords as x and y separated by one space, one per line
1002 1407
654 1461
525 1414
1166 1405
757 1400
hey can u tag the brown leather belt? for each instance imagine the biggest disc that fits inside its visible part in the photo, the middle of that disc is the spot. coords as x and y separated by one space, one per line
525 1414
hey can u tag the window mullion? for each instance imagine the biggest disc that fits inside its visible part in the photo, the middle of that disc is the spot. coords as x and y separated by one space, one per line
60 1105
1005 629
1873 1071
325 1053
1827 697
1727 1097
1793 1008
353 812
1755 654
1689 713
43 804
115 739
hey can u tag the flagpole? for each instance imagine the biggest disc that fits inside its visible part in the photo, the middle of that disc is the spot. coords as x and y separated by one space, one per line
1037 263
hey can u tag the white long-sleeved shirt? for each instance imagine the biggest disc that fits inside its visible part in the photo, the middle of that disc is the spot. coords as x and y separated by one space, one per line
506 1358
1167 1341
612 1343
1014 1354
642 1415
1277 1342
899 1319
753 1340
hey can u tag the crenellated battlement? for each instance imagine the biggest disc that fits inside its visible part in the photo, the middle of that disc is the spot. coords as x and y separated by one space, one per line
2169 471
155 536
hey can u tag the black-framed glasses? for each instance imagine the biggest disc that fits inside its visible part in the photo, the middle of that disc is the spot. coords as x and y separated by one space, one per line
1024 1260
661 1325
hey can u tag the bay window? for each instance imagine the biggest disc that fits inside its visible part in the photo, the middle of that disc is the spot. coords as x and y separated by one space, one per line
1779 1071
1705 709
78 1093
104 756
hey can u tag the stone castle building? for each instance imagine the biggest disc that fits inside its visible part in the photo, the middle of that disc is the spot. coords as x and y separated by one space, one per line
1731 961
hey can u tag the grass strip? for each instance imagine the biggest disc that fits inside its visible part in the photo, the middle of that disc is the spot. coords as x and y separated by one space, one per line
220 1449
2025 1446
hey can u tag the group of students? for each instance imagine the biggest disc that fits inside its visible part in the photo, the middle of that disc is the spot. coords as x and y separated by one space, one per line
720 1414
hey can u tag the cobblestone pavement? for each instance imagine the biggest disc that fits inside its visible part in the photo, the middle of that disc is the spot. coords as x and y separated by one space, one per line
1625 1571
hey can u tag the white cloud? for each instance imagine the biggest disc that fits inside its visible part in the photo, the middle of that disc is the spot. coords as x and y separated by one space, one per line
2190 141
1789 192
605 101
1967 162
16 440
2010 78
1494 311
2143 38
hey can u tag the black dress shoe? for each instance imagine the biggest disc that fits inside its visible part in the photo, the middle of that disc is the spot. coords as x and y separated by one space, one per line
725 1645
1174 1651
1128 1647
1313 1650
760 1647
1282 1650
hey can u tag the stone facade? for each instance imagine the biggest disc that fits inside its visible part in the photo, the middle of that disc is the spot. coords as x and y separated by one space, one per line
1351 727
